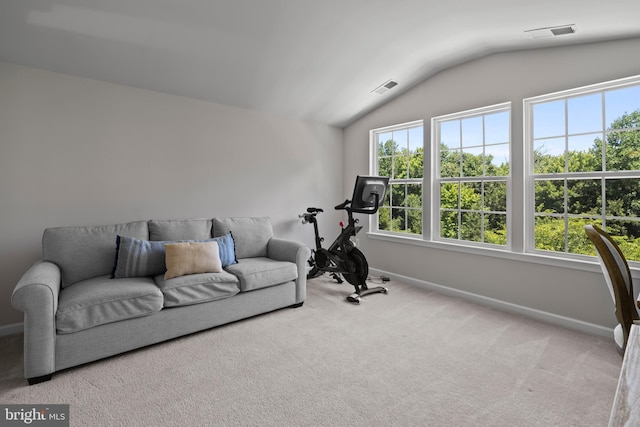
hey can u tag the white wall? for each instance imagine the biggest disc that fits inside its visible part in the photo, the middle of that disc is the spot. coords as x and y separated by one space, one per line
497 78
81 152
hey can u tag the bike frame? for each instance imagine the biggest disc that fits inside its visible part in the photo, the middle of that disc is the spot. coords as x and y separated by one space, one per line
342 257
339 249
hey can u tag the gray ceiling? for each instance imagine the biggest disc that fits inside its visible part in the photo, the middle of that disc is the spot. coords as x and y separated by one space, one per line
315 60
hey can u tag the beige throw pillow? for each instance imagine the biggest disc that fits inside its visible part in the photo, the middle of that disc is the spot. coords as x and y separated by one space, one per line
191 258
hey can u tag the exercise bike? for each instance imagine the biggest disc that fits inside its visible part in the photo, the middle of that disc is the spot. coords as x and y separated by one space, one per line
343 258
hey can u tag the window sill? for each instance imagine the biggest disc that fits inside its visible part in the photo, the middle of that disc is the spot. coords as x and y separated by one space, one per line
576 264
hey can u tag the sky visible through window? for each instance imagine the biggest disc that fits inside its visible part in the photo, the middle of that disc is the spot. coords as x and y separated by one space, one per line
583 122
467 133
405 138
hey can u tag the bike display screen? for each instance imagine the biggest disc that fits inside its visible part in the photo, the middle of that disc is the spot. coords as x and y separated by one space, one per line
364 193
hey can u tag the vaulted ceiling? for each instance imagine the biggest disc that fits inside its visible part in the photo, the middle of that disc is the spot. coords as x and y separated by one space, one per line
317 60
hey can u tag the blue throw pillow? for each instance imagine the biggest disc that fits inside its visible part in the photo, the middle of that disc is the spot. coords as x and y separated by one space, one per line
227 249
138 258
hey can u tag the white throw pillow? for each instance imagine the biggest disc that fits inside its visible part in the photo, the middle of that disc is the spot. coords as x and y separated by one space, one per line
191 258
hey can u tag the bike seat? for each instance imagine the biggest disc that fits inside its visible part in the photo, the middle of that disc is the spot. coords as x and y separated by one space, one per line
314 210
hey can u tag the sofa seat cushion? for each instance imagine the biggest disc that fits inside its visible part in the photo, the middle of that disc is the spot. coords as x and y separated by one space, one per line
197 288
101 300
260 272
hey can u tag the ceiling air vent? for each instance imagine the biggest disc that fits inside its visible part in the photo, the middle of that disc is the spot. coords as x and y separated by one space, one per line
563 30
551 31
385 87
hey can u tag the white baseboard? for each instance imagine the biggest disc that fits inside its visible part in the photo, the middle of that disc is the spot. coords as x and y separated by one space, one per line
15 328
567 322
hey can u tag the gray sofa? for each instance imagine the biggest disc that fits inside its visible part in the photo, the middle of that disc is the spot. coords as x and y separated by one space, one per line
101 291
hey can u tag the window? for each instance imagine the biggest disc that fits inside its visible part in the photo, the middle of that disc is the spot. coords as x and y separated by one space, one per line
472 176
583 165
399 155
576 163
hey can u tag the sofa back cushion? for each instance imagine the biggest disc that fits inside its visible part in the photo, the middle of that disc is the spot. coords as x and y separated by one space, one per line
250 235
86 252
180 229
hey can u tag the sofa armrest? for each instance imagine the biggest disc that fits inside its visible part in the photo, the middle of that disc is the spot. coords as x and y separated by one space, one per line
36 294
287 250
298 253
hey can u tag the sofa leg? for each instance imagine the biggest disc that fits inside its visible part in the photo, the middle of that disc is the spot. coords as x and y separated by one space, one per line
297 305
38 380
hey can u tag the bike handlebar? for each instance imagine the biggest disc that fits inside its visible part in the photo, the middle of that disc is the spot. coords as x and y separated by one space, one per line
307 217
343 205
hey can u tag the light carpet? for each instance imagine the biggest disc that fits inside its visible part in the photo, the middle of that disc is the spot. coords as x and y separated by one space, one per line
412 357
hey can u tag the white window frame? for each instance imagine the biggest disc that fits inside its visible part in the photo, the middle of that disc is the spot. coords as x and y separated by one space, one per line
530 214
436 179
373 168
